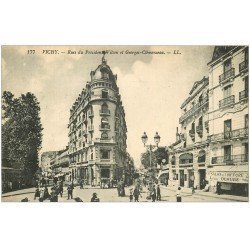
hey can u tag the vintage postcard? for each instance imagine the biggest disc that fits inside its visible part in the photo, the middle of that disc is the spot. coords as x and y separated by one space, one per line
125 123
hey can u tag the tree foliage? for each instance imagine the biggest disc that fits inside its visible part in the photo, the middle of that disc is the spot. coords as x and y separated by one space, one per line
21 133
156 157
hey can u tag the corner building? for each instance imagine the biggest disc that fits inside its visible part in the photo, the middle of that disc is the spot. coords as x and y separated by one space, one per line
189 154
228 119
98 131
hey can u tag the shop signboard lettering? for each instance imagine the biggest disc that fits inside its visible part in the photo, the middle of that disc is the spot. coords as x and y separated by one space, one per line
232 177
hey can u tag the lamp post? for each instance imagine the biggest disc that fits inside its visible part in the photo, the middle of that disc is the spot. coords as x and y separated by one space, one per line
150 147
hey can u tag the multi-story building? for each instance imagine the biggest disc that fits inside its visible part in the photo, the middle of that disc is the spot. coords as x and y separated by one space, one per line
59 164
188 155
97 130
45 160
228 118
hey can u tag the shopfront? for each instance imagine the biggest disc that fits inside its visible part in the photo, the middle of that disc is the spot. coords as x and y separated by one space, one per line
233 180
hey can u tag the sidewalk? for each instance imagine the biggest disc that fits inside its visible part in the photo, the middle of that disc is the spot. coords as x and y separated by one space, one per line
19 192
209 194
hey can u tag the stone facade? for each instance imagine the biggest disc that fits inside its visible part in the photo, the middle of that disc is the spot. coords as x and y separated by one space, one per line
97 130
212 146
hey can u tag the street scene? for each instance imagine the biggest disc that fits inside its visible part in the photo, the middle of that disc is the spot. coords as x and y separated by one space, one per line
125 124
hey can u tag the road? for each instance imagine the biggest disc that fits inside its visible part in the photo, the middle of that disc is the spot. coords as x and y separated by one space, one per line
107 195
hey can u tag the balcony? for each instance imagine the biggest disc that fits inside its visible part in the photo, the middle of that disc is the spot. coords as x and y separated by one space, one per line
234 134
104 127
199 130
227 101
192 134
194 109
243 94
105 112
230 159
227 75
243 66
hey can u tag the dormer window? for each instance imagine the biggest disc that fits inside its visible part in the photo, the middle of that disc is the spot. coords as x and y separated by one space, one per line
104 74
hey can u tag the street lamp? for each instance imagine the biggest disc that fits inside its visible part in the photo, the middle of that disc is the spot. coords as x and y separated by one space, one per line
150 147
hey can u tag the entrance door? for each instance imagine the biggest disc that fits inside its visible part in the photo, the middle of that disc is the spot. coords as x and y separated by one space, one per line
182 178
202 178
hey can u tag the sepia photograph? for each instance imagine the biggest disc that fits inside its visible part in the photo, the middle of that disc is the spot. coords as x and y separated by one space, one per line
125 123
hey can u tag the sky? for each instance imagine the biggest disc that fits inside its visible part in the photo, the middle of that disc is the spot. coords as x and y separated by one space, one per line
152 86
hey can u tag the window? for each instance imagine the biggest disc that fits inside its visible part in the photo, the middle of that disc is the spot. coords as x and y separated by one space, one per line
105 173
200 121
104 123
105 108
246 121
246 54
227 65
105 154
104 136
227 154
104 94
227 128
227 91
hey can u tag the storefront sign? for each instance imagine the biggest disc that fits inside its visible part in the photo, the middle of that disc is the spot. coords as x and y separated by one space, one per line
231 177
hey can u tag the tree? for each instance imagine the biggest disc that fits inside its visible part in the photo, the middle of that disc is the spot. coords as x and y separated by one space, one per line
21 133
156 157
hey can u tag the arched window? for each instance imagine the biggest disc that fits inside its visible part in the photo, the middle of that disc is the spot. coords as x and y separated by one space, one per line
202 156
104 136
173 160
104 108
186 158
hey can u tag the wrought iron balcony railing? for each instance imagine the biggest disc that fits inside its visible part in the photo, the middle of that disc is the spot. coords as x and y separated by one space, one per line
195 108
227 101
227 75
243 94
234 134
243 66
230 159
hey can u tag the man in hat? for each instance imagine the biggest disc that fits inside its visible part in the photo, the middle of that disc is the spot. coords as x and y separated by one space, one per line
94 198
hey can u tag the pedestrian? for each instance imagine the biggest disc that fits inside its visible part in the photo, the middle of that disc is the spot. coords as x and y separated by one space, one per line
70 190
37 193
81 184
136 194
131 195
94 198
178 194
153 194
61 188
54 194
218 188
158 193
46 193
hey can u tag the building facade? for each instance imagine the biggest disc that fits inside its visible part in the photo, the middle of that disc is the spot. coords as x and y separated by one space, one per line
59 164
97 130
212 146
228 118
188 155
46 159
